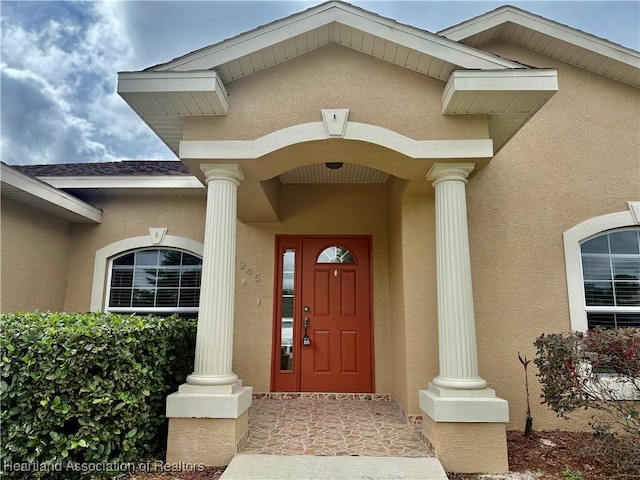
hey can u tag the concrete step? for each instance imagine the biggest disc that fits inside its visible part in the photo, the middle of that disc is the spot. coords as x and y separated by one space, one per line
305 467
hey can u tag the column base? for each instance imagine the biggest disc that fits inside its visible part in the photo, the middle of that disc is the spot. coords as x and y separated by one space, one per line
212 442
192 401
466 429
206 425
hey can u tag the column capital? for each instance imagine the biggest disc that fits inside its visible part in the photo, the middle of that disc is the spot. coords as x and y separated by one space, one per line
449 171
231 172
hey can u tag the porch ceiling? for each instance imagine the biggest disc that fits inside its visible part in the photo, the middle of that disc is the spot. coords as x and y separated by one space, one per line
345 174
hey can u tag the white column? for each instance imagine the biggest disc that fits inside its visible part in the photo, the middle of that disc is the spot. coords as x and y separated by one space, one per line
456 324
214 339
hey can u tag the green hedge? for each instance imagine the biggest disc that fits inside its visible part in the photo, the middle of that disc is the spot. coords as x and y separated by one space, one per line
82 389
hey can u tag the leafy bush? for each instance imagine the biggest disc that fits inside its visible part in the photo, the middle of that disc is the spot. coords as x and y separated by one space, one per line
87 388
599 370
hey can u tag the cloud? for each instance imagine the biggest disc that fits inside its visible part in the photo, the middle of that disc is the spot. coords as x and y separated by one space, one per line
59 100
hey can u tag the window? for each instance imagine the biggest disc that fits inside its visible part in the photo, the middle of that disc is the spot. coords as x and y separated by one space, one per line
335 254
288 291
161 281
588 283
611 278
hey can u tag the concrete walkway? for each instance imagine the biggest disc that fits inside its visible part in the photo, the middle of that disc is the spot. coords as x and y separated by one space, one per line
304 467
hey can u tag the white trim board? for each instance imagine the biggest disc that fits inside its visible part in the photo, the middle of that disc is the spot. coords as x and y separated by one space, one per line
306 132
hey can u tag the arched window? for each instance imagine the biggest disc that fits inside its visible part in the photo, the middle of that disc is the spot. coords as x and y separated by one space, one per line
603 270
161 281
611 278
335 254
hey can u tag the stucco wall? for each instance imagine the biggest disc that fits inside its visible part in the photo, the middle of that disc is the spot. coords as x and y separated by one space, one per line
35 249
578 158
375 91
412 294
397 331
421 315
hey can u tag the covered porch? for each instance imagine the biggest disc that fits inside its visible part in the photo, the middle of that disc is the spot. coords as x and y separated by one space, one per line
413 209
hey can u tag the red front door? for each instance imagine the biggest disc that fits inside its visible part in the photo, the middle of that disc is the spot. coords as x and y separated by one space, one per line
325 284
336 306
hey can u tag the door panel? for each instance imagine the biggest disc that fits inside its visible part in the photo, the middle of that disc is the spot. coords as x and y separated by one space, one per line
322 351
349 352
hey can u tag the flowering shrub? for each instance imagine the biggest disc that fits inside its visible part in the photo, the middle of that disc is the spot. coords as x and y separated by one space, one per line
600 371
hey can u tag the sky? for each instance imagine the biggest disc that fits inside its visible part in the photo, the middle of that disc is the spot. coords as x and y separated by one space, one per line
59 60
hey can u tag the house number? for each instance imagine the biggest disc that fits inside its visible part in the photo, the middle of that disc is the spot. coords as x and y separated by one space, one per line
250 272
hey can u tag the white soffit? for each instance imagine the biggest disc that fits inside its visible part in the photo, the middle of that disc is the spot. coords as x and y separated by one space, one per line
163 99
569 45
347 174
508 97
498 92
174 93
39 195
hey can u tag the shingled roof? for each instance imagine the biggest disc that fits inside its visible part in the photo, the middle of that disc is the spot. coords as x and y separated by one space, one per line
103 169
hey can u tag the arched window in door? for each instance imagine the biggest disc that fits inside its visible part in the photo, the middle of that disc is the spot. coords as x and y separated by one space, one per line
335 254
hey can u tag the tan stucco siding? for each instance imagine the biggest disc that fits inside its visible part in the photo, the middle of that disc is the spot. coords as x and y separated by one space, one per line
397 327
123 218
35 249
307 210
375 91
578 158
420 290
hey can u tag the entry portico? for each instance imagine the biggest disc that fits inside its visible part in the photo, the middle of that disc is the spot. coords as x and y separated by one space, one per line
253 141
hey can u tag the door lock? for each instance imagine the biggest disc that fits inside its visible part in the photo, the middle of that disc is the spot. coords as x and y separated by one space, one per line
306 341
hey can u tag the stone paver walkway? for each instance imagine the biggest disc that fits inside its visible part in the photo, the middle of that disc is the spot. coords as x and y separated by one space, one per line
331 427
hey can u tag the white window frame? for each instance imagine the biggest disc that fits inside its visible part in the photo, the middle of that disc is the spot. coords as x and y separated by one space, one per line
104 256
573 259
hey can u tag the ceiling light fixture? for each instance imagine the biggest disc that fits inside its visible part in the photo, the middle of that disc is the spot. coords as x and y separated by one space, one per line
334 165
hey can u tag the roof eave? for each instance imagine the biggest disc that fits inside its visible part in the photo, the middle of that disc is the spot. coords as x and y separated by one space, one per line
491 26
509 98
39 195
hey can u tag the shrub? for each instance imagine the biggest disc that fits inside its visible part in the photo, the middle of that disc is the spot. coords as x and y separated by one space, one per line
87 388
599 370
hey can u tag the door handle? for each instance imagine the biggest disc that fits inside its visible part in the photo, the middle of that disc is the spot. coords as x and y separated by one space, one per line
306 341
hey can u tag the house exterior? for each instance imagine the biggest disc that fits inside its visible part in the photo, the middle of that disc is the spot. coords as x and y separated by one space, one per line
360 207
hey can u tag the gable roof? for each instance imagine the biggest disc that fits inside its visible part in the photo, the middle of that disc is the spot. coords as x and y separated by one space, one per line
341 23
553 39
